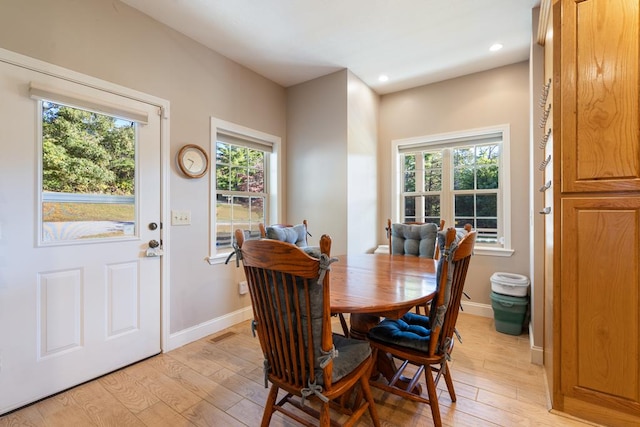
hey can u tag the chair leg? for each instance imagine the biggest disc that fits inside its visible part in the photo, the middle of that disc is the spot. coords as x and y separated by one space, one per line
433 397
373 412
268 406
345 327
449 381
325 415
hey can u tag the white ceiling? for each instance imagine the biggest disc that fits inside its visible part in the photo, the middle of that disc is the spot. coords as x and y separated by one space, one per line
414 42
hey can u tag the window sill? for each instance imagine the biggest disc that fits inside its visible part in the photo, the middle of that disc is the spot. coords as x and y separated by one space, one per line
219 258
486 251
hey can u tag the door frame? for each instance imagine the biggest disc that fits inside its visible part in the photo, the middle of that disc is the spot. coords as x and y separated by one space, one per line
163 105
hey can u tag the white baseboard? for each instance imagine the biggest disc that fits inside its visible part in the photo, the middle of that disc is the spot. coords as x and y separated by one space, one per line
537 352
477 309
194 333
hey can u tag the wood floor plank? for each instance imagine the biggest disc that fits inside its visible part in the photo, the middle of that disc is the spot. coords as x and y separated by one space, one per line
128 391
204 387
241 385
161 415
204 414
102 407
166 389
27 417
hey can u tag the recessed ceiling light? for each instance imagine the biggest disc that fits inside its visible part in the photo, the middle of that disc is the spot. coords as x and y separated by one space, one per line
383 78
495 47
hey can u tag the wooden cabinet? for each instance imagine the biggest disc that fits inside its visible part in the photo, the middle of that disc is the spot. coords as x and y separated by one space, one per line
596 225
597 64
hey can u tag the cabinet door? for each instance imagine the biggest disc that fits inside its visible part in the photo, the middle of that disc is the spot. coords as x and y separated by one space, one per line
599 90
600 304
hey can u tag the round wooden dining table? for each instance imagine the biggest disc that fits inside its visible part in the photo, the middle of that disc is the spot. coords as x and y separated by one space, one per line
370 286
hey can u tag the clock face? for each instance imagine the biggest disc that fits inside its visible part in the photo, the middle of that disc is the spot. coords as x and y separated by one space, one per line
193 161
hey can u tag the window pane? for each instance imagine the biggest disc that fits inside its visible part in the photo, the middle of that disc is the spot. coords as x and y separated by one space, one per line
432 206
464 205
409 182
488 177
463 179
238 179
487 154
223 220
409 208
222 177
463 156
88 170
487 205
223 153
433 160
433 180
487 223
461 222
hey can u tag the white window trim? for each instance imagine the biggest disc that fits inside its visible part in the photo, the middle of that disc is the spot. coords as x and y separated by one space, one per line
442 138
274 202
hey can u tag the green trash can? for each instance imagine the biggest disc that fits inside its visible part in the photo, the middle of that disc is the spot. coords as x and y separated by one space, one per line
509 312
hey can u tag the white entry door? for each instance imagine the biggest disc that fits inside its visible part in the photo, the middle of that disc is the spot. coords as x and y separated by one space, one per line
79 294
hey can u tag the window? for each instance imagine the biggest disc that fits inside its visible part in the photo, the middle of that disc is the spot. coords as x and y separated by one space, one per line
462 178
245 183
88 171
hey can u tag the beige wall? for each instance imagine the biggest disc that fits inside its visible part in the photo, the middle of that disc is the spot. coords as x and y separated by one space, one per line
109 40
317 171
362 162
493 97
332 135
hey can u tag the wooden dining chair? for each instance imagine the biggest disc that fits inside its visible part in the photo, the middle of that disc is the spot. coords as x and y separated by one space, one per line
296 234
414 239
427 342
290 296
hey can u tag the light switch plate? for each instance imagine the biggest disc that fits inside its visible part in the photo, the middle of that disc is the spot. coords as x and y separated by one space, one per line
180 217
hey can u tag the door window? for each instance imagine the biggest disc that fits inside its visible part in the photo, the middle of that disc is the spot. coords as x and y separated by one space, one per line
88 175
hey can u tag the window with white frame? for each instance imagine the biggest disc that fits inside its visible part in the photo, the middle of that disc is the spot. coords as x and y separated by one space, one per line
462 178
244 183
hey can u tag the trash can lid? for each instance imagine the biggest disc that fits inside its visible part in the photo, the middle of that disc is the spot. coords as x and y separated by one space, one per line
509 278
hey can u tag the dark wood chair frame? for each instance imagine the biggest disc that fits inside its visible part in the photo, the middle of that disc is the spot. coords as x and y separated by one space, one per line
292 367
442 337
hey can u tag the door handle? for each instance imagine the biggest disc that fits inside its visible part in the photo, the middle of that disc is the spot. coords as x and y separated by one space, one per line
154 249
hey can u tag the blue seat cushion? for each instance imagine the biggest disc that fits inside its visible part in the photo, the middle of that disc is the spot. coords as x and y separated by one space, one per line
411 331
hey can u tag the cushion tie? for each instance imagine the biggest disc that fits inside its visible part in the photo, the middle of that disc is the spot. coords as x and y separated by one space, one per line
313 388
327 356
237 252
446 345
325 263
254 324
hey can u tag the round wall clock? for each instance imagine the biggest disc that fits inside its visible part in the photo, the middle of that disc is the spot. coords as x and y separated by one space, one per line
193 161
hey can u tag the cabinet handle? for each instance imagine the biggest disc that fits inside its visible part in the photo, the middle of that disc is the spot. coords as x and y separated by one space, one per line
545 187
545 211
545 139
545 163
545 116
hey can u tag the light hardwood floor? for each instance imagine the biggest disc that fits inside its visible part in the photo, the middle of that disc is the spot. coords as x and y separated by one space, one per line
218 381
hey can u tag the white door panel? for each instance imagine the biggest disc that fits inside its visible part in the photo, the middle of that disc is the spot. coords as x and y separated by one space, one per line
73 311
